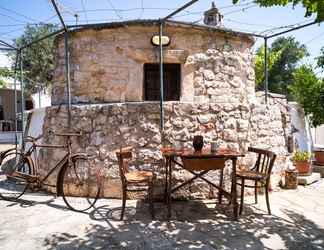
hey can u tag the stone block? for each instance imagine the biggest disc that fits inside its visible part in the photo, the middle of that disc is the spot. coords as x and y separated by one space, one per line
319 169
204 119
307 180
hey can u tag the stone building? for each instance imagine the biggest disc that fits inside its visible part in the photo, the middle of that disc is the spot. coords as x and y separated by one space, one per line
209 90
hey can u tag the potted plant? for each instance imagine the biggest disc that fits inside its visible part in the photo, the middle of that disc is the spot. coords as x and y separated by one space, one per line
319 155
302 162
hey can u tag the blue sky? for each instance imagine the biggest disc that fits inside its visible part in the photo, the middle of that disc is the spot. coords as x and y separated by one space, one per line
246 16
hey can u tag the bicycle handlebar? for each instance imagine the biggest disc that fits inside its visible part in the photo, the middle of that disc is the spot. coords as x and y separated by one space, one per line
65 133
32 139
29 138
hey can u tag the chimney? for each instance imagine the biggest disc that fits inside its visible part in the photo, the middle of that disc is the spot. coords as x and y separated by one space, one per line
213 17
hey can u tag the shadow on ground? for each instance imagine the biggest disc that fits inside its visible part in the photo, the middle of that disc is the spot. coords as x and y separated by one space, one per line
25 203
194 225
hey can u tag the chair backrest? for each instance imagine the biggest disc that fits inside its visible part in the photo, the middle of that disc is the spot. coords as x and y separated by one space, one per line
123 154
265 160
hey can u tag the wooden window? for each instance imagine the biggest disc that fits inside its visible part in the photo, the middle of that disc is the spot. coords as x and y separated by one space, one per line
172 80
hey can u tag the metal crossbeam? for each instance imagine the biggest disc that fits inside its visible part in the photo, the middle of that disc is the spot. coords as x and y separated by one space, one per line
7 44
59 15
179 10
293 29
42 38
6 49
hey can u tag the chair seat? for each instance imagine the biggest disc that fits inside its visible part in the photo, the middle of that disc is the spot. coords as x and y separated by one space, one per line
251 175
139 176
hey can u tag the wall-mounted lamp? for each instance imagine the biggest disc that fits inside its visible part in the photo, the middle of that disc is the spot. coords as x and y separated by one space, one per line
155 40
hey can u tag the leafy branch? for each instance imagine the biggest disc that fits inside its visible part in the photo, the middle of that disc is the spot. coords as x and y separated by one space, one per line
311 6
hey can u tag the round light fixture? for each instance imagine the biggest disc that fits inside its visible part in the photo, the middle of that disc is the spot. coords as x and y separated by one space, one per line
165 40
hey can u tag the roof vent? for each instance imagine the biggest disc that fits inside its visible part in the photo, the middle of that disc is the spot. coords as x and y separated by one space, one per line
213 17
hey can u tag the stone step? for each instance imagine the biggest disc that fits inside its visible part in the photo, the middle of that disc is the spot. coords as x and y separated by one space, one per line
318 169
307 180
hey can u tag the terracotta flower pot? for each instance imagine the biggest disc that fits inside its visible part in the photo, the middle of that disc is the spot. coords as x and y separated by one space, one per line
319 156
303 167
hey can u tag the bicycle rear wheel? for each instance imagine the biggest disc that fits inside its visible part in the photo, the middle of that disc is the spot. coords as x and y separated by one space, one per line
12 186
80 184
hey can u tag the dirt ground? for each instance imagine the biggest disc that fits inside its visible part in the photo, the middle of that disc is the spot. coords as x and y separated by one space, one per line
41 221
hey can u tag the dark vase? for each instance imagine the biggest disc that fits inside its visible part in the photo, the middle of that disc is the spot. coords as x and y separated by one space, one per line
198 142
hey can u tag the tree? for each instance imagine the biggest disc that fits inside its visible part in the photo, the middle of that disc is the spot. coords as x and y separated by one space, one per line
4 73
311 6
259 65
38 59
308 92
281 72
320 59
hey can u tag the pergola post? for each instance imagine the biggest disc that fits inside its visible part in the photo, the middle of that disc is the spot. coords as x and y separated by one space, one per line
22 98
67 75
67 61
266 69
15 98
161 23
161 76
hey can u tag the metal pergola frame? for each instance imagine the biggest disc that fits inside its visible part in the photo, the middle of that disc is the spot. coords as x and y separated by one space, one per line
4 46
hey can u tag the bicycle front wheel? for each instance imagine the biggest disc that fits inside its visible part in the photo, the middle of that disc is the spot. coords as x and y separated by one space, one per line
13 185
80 184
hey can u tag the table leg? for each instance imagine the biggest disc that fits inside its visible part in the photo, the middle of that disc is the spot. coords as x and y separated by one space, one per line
169 187
234 189
220 194
166 164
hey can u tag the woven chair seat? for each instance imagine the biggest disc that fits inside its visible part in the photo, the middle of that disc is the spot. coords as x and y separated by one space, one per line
134 181
139 176
251 175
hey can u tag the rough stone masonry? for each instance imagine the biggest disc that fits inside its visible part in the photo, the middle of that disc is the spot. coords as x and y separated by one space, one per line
218 100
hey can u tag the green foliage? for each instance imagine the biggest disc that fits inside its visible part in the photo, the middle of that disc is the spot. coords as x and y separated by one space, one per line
4 73
259 65
38 59
301 156
283 57
281 72
311 6
320 59
308 91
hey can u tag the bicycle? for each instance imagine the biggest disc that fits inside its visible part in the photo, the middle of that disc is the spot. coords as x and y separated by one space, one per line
77 182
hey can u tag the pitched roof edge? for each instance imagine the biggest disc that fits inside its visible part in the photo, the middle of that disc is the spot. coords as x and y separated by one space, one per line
77 28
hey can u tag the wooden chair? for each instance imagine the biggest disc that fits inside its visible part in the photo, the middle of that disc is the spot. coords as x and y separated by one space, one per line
259 173
135 181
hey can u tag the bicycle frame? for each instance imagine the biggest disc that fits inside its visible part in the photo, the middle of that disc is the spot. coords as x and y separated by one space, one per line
32 178
32 152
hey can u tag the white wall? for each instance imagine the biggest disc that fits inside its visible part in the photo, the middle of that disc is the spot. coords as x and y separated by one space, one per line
35 127
41 100
303 139
306 137
4 60
318 136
